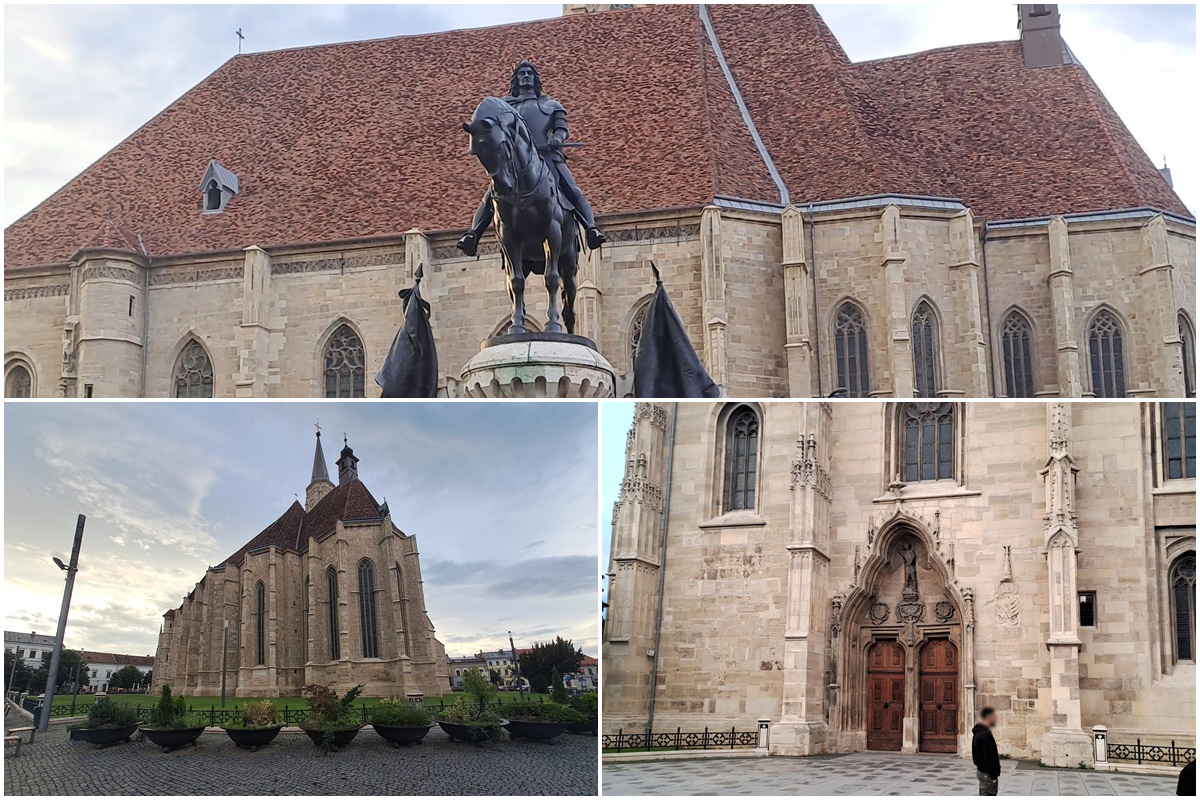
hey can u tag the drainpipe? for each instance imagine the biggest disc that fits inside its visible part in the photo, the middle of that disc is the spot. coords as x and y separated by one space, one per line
987 304
812 265
662 571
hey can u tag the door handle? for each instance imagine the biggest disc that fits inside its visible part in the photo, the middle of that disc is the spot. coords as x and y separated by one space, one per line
939 706
885 705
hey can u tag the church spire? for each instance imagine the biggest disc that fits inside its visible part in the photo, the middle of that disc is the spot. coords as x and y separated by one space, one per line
347 464
320 485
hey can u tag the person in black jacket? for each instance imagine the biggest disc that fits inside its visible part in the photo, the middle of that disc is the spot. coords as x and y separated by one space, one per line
985 755
1187 781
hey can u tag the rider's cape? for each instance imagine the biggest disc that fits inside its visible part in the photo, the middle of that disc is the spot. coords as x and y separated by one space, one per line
666 365
411 368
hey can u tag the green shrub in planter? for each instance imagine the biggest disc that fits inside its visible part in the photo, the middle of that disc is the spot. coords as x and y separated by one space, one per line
587 704
542 712
398 711
171 714
104 713
331 716
258 714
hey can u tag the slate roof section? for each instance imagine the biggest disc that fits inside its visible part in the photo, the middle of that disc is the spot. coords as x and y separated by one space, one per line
362 139
295 527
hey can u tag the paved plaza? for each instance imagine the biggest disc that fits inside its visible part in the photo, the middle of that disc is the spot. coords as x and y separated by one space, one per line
863 774
292 765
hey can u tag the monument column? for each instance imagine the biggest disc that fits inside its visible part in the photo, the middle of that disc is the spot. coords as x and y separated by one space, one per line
895 265
1066 743
634 565
798 305
802 728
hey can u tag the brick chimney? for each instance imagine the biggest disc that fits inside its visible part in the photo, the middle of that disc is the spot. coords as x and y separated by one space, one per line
1041 37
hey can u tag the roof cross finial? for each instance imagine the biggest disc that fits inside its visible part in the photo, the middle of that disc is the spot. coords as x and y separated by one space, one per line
318 425
345 439
240 38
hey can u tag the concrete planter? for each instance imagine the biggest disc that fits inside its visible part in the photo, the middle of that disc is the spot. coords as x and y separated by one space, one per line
105 736
588 726
461 732
541 731
173 738
402 734
341 737
253 738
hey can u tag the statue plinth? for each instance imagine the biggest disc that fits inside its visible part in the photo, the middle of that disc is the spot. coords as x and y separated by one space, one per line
538 365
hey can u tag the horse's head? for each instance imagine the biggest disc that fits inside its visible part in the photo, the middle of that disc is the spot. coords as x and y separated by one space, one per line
500 140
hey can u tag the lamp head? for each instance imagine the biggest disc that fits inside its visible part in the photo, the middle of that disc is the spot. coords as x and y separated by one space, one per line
60 564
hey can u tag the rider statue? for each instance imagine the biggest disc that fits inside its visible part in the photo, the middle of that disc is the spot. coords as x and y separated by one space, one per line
547 121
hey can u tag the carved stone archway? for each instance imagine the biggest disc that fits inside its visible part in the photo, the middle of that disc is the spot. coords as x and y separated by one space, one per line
905 592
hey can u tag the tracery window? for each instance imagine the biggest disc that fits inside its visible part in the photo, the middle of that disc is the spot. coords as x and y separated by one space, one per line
928 441
741 460
335 648
366 609
1016 345
1188 338
924 339
1179 440
635 331
1183 606
1106 351
403 595
18 382
850 351
193 372
345 364
260 617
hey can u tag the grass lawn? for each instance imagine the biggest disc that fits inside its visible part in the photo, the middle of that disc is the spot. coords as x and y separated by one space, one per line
147 700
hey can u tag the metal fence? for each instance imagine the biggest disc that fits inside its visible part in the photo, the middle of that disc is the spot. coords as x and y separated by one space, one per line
680 740
1151 753
292 715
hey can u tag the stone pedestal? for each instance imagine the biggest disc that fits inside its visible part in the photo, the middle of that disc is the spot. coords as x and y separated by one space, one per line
538 365
1067 747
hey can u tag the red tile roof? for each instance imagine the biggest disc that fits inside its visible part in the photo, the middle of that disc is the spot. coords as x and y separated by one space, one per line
91 658
348 501
362 139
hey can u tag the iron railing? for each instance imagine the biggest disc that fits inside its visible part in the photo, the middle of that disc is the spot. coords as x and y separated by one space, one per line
292 715
680 739
1153 753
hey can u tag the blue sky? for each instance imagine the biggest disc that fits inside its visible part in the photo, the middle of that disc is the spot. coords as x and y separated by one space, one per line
501 497
79 79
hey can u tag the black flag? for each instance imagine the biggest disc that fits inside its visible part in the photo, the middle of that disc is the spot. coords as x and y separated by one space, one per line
666 365
411 368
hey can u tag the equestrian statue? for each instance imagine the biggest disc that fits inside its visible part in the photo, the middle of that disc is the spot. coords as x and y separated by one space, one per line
533 198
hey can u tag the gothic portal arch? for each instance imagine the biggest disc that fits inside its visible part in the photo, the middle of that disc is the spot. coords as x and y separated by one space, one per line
904 602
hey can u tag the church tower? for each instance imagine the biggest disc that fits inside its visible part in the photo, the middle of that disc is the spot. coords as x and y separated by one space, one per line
347 465
320 485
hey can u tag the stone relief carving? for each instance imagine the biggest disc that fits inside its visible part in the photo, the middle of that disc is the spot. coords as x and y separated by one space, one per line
34 292
944 610
655 413
339 263
835 614
807 470
911 612
879 613
1008 606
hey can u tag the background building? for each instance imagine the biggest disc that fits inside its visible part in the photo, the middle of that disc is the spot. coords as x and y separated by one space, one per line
29 646
969 221
103 666
328 593
869 575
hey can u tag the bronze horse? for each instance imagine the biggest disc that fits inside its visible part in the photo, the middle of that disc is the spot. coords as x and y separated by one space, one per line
534 224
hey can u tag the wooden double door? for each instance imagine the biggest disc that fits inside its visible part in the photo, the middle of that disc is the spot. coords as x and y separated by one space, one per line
937 697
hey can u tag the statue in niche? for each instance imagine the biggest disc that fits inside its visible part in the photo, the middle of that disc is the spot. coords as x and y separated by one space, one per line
908 554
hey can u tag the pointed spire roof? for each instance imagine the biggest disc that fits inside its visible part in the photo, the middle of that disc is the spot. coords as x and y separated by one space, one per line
320 469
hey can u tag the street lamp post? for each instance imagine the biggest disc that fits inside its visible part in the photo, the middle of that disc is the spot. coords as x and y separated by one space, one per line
48 702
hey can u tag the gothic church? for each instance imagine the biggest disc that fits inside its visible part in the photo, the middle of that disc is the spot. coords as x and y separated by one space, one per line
867 576
328 593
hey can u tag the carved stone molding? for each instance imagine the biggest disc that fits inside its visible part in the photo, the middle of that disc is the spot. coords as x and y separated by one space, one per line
178 275
33 292
655 413
807 471
338 263
653 234
111 272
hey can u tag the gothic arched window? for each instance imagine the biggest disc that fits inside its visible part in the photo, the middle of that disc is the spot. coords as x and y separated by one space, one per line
193 372
850 351
928 444
1106 351
1179 440
331 581
1016 344
924 339
403 595
741 460
1188 337
366 609
345 364
260 620
635 331
18 382
1183 606
212 197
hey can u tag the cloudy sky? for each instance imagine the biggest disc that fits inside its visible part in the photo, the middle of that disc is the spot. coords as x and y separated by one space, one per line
79 79
501 497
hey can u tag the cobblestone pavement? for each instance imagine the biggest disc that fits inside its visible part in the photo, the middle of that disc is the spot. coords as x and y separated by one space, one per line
292 765
863 774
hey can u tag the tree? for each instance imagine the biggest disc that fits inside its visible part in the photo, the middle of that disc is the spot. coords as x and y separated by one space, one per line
494 675
558 692
37 680
538 664
148 677
67 662
127 677
15 681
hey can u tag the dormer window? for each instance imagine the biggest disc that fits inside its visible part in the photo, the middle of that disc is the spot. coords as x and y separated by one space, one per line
218 187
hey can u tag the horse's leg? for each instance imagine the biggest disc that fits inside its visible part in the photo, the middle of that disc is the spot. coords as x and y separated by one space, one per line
568 267
554 246
516 282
